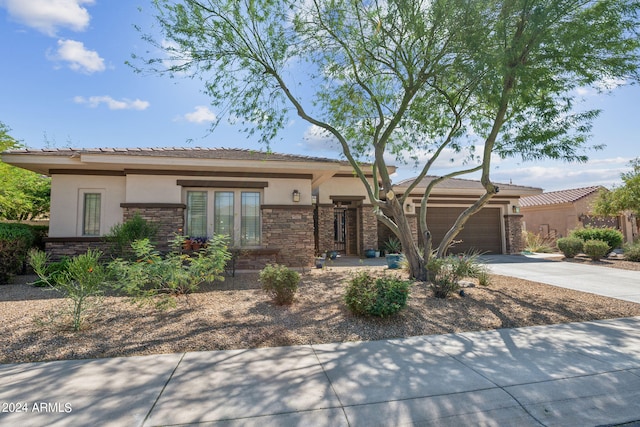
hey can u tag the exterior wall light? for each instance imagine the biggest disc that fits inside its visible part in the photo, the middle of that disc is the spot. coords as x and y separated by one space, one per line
296 195
515 209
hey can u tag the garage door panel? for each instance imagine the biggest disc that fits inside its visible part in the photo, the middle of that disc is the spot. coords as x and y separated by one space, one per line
481 232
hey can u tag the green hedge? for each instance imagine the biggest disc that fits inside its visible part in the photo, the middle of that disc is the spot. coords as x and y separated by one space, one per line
611 236
15 242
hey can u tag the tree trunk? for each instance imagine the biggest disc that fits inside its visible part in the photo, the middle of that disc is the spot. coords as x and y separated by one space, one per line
410 249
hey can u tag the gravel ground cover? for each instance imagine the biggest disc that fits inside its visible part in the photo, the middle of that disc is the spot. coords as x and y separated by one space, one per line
236 314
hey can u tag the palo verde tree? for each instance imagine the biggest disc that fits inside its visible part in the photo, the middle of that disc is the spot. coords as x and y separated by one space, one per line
24 195
622 198
398 79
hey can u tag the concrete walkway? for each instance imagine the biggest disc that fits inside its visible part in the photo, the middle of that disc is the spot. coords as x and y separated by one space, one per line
607 281
580 374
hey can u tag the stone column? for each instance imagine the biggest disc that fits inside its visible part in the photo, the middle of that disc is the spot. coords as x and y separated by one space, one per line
325 227
368 229
513 233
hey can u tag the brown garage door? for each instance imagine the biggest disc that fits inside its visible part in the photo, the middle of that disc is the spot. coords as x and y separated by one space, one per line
481 233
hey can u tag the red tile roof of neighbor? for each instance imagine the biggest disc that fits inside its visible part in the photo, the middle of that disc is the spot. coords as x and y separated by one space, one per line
559 197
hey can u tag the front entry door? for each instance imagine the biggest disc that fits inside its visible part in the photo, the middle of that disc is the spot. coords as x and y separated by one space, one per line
340 229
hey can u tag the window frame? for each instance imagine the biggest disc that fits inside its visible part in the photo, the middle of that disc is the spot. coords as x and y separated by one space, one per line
237 227
81 223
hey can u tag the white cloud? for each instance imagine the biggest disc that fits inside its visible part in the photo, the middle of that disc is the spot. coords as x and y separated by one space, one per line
318 139
552 176
48 16
78 57
201 114
112 104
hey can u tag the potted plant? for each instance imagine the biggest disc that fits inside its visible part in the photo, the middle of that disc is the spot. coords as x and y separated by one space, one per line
186 244
393 248
198 242
370 253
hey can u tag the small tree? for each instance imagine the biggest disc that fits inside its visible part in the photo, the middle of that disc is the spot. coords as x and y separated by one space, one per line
83 280
623 198
24 195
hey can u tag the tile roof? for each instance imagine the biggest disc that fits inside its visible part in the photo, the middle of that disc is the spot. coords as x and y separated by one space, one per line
457 183
559 197
190 152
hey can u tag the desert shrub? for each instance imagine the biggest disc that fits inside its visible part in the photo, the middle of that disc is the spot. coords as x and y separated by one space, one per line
570 246
445 273
595 249
279 282
153 277
537 243
632 251
361 293
612 236
82 281
56 272
121 236
484 278
383 296
15 242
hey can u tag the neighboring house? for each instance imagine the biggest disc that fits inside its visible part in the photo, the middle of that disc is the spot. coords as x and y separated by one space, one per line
554 214
275 207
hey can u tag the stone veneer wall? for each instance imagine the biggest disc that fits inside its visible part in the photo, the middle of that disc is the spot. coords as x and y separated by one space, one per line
325 228
368 229
289 229
513 232
59 247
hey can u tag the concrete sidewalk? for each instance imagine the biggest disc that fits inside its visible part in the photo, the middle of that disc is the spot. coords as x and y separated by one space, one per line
607 281
579 374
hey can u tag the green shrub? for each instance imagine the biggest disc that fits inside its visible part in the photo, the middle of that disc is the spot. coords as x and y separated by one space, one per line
121 236
280 282
445 273
632 251
56 272
158 278
15 242
83 279
570 246
361 294
595 249
40 232
611 236
381 297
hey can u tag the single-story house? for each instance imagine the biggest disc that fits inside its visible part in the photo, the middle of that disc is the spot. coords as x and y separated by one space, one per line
554 214
274 207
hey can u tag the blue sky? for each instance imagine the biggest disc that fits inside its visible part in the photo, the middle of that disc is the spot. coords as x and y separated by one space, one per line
64 83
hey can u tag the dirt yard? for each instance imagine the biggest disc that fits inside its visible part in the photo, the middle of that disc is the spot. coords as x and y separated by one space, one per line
236 314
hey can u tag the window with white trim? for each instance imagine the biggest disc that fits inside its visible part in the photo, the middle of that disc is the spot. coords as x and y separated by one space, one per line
91 213
230 212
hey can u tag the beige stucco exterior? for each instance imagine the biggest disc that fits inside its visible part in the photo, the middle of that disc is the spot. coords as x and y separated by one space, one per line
557 220
66 202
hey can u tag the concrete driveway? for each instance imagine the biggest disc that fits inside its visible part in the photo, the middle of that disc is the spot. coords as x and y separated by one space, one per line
607 281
